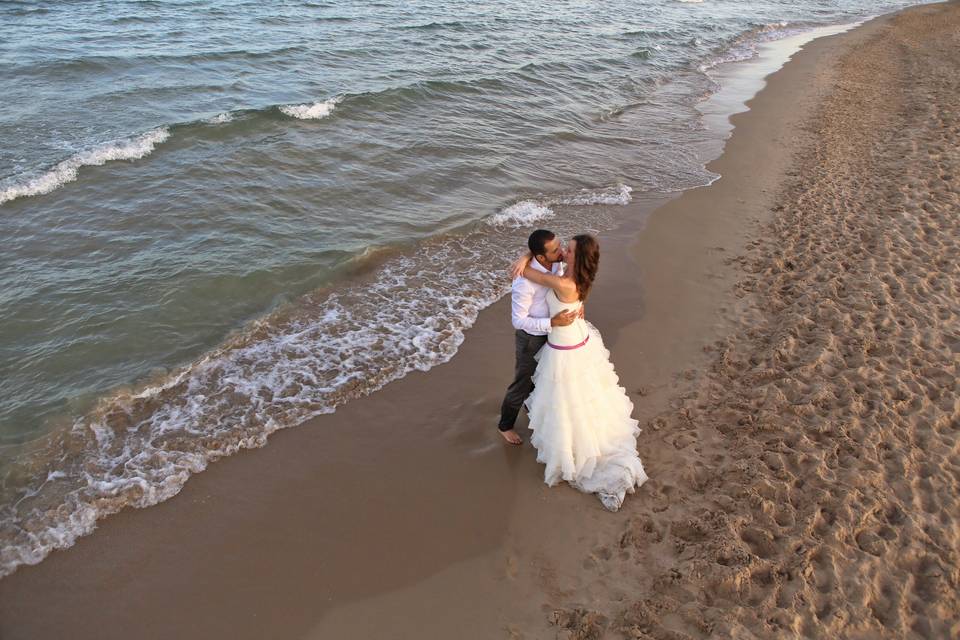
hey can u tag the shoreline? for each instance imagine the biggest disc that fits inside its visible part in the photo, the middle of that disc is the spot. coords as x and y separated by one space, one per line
433 524
147 483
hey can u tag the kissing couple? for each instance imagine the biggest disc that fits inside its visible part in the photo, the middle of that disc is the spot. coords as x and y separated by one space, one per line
579 414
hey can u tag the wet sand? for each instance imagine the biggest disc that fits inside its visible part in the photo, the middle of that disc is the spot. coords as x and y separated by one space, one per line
789 336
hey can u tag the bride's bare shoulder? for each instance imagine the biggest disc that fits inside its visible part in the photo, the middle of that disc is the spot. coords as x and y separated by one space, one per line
567 292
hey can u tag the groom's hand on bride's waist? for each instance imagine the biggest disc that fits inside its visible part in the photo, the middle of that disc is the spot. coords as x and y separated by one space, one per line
563 318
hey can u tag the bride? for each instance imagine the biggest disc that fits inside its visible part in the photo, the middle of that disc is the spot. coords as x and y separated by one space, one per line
579 413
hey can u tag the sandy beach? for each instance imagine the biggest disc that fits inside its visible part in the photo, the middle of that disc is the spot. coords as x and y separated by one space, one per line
789 336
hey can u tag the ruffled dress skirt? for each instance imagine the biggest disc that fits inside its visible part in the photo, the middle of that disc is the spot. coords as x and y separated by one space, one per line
581 421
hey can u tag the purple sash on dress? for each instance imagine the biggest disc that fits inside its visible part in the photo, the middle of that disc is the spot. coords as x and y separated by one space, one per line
572 346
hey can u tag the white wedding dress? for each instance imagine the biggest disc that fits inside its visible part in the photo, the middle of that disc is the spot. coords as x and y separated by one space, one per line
580 415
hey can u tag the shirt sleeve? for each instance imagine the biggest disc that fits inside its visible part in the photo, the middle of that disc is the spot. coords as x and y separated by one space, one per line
520 300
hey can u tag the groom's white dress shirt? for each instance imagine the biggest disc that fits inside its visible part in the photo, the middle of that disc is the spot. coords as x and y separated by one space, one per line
529 310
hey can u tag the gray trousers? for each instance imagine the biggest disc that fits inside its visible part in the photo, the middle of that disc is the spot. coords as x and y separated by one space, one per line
522 385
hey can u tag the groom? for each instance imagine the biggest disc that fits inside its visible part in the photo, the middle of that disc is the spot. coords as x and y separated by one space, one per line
531 318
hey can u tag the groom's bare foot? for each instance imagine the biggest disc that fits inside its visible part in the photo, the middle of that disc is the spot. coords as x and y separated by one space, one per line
511 437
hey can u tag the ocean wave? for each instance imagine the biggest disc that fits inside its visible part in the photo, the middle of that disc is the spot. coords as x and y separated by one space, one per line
220 118
314 111
110 64
136 147
66 171
744 46
521 214
617 195
41 182
139 446
432 26
651 32
405 95
526 212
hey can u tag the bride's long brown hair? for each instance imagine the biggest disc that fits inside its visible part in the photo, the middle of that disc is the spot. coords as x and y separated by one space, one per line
586 262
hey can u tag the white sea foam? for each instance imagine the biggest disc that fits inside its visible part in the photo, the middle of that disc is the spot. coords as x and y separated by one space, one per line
66 171
314 111
522 214
527 212
620 194
745 47
139 446
220 118
236 396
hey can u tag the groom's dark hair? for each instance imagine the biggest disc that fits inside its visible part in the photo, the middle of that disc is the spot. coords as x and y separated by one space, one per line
538 241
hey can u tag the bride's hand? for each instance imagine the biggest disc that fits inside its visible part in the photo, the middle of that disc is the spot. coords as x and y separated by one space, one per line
519 265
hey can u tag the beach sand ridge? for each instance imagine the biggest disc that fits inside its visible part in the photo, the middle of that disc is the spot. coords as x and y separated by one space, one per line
818 491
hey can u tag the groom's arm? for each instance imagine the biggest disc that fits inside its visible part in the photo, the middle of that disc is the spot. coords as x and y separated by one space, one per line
521 298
